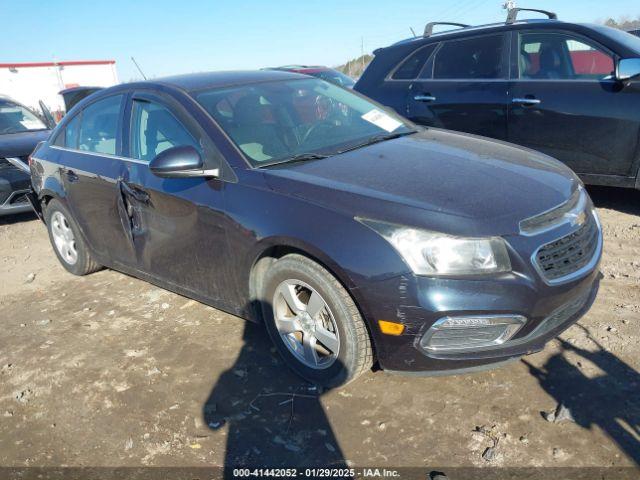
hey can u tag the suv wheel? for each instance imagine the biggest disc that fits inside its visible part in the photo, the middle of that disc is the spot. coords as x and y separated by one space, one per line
69 246
314 322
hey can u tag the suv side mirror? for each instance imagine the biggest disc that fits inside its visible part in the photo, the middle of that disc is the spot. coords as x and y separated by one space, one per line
180 162
628 69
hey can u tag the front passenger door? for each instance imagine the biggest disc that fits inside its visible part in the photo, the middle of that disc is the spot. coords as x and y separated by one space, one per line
178 224
566 103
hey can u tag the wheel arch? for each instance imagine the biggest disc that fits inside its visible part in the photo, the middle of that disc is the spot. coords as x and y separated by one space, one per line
269 251
50 190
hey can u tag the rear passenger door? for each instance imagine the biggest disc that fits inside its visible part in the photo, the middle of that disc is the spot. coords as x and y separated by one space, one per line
566 103
394 90
464 86
88 150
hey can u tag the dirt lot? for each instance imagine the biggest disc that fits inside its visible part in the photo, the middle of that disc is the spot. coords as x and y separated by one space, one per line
107 370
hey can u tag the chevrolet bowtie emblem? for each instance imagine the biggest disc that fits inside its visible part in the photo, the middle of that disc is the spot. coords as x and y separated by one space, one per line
576 219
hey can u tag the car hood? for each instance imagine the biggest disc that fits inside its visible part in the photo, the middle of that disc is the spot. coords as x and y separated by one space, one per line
21 144
453 182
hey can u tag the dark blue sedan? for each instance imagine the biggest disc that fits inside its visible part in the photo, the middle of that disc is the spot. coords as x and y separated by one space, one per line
354 235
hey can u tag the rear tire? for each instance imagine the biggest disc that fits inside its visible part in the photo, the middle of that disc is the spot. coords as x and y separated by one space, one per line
68 244
323 337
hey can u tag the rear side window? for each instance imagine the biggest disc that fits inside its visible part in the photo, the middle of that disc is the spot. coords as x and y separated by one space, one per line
411 67
473 58
70 134
99 126
154 129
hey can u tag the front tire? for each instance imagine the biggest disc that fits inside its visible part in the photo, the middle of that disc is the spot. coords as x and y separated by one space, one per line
314 323
68 244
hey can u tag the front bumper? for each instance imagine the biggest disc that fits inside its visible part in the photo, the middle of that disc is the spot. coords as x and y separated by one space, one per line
419 303
441 298
14 185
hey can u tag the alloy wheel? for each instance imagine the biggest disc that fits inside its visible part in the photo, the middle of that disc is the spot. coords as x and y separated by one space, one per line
64 238
306 324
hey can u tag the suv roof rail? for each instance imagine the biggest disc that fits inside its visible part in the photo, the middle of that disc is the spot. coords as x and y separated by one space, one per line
513 14
428 29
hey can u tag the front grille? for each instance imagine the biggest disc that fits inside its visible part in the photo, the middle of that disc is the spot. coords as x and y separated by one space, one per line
570 253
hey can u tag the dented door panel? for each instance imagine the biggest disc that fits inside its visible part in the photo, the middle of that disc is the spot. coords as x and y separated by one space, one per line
168 228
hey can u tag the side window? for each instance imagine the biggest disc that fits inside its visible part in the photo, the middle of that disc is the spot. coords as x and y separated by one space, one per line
410 68
69 136
550 56
473 58
99 126
154 129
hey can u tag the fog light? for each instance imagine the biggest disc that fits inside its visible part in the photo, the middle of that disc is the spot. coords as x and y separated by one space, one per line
456 334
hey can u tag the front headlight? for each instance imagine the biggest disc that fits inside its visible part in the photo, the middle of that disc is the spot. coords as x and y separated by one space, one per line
432 253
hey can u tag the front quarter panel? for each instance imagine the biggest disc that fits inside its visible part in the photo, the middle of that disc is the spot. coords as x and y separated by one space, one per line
264 219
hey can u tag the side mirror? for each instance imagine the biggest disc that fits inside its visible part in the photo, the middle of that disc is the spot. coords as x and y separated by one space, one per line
628 69
180 162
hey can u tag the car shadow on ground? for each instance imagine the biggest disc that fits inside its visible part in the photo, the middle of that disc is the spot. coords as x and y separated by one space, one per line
17 218
272 417
625 200
608 398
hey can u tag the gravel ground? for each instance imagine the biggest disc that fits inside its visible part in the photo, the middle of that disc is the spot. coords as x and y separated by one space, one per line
107 370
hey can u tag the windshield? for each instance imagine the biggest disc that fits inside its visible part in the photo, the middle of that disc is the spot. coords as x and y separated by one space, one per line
334 76
275 121
15 118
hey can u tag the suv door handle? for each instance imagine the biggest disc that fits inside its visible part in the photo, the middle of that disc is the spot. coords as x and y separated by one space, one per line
526 101
424 98
71 176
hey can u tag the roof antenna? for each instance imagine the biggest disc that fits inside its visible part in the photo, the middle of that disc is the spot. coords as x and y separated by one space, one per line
509 5
413 32
138 67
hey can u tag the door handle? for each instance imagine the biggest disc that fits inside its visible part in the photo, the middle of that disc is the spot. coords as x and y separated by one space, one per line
71 176
424 98
526 101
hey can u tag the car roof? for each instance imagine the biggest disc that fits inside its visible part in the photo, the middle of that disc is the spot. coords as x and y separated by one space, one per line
200 81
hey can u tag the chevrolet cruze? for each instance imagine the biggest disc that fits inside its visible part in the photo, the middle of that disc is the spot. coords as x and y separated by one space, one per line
355 236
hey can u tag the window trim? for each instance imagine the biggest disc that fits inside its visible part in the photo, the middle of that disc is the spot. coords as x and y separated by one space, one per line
504 59
389 77
515 52
96 154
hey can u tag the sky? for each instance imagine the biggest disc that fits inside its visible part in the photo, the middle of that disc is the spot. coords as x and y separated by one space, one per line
169 37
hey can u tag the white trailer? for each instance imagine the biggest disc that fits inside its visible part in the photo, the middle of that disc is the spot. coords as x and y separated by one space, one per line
28 83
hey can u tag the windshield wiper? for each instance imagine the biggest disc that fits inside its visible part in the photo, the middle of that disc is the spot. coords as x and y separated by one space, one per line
300 157
377 139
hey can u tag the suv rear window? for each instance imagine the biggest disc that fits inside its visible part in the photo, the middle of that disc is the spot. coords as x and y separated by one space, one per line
472 58
411 67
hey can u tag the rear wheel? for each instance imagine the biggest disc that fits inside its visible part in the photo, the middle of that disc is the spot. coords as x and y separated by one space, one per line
65 238
314 322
